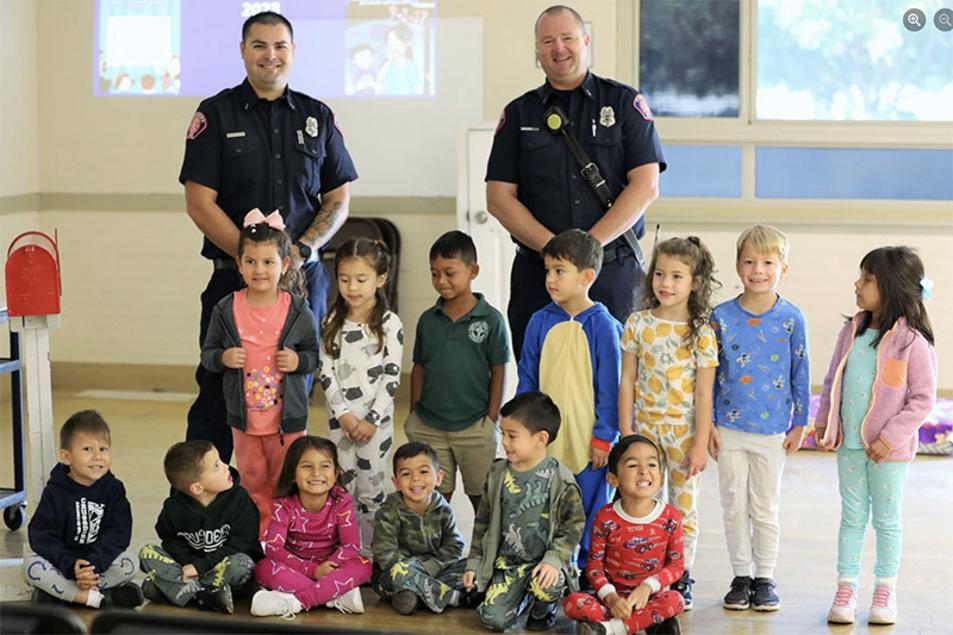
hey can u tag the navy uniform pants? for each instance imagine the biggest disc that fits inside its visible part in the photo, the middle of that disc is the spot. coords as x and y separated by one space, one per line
617 287
206 419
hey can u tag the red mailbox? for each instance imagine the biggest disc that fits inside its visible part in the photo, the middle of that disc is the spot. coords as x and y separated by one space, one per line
33 275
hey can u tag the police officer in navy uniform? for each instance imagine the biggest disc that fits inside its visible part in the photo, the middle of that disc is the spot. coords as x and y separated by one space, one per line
261 144
533 182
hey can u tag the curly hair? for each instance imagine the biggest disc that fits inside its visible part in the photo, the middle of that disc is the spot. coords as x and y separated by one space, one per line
696 256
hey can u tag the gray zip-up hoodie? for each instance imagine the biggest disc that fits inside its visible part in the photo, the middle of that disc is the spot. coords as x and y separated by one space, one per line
298 334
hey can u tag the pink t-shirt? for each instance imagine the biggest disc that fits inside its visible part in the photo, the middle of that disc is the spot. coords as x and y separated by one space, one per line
259 328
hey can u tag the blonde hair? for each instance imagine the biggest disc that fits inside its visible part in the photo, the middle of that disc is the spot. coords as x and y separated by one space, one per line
764 239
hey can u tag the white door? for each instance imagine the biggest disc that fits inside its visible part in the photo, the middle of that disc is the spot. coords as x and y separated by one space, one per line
495 250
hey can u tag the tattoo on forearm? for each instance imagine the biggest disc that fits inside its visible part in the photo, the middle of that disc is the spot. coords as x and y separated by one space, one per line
324 225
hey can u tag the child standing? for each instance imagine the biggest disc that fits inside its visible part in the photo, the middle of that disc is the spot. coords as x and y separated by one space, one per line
209 532
571 352
313 544
636 551
529 522
81 528
263 339
880 387
460 354
362 346
762 393
418 550
668 369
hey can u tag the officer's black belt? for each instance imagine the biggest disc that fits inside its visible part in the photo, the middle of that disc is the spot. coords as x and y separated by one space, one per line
225 263
610 253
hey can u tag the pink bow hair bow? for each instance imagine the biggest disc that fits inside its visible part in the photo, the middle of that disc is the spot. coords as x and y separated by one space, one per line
273 220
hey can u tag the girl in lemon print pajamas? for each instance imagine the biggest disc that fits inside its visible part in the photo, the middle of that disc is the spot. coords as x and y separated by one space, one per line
668 371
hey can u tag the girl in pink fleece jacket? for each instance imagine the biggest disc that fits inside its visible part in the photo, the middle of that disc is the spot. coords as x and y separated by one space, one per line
313 541
879 389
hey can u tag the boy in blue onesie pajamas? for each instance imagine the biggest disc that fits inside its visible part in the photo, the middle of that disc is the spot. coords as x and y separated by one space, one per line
571 352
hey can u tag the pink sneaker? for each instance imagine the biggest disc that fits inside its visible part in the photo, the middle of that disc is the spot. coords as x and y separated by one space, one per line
883 608
844 608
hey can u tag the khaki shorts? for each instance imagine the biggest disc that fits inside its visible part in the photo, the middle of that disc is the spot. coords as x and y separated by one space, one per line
471 449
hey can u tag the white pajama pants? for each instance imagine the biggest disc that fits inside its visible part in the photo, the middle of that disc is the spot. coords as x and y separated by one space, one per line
749 477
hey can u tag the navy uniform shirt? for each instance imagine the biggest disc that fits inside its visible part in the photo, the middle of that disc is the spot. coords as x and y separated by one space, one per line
611 121
270 155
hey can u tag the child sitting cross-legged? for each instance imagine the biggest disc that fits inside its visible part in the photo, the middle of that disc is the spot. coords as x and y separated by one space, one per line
528 524
635 553
209 532
418 550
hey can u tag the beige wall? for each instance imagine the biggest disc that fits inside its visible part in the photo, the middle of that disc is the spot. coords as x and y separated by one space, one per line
19 173
132 273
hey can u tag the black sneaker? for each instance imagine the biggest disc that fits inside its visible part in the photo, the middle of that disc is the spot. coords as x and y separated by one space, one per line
125 596
739 597
684 586
668 627
152 592
542 616
42 598
405 602
763 595
470 598
219 599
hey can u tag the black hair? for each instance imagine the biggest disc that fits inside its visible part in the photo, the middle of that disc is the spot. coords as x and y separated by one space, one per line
287 485
267 17
87 422
618 451
899 272
415 448
183 463
375 254
292 280
535 411
693 252
577 247
454 244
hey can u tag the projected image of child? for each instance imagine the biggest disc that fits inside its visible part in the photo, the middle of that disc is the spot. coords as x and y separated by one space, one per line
399 75
363 78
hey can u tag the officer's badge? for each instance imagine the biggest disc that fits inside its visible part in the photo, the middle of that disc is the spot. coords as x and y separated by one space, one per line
607 116
642 106
311 126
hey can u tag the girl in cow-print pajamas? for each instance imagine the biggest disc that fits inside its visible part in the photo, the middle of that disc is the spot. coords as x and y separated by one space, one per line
362 344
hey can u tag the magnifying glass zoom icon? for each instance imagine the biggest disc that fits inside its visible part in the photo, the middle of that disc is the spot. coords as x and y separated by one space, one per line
945 19
914 19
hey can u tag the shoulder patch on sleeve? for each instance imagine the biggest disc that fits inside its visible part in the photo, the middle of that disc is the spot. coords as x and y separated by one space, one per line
197 126
642 106
501 123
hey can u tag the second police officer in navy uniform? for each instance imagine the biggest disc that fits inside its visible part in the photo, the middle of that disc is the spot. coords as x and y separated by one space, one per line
261 144
534 187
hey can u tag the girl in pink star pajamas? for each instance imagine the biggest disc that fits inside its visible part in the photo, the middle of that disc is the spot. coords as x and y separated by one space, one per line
313 541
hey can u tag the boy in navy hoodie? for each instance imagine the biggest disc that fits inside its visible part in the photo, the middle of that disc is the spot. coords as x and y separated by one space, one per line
81 528
209 532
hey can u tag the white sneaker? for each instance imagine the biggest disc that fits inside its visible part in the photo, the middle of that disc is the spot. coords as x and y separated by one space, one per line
883 608
844 608
350 602
265 603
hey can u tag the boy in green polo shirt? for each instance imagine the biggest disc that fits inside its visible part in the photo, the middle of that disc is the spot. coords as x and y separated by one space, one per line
456 386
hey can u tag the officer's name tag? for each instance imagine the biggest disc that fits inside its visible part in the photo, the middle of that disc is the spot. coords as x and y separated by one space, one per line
234 135
529 129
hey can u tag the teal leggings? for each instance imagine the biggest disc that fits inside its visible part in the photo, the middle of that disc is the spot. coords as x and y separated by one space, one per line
866 486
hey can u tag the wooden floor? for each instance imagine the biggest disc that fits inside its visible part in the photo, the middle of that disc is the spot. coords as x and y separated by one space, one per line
142 430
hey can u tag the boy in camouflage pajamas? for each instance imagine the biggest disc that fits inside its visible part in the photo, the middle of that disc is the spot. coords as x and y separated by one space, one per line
418 550
528 524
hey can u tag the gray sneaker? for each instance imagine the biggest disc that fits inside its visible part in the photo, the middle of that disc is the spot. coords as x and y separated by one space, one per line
763 595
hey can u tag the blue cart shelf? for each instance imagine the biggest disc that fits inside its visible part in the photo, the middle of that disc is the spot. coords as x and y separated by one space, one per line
13 501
